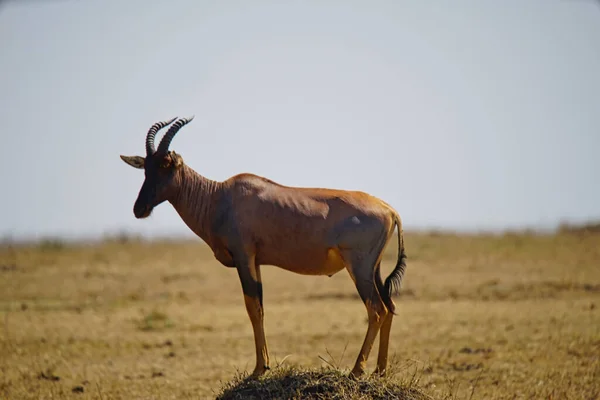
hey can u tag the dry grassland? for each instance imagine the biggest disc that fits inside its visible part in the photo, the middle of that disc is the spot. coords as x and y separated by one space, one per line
492 317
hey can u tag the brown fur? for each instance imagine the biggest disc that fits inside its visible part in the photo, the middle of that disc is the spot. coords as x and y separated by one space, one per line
249 221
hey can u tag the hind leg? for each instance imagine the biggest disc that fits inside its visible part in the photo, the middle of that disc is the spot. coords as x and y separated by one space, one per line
361 271
386 326
361 241
384 341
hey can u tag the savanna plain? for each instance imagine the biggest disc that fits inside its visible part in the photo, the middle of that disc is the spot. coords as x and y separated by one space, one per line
486 316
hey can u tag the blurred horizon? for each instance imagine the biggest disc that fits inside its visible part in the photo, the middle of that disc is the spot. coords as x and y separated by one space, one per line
465 117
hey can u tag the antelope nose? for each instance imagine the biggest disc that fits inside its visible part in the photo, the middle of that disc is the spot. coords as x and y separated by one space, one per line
141 211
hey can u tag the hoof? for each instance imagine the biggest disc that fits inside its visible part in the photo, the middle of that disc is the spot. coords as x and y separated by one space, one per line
378 373
258 372
356 374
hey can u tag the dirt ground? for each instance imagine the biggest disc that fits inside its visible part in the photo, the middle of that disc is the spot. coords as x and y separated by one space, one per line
505 316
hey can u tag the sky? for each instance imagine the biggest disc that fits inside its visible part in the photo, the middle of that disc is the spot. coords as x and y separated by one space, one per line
463 115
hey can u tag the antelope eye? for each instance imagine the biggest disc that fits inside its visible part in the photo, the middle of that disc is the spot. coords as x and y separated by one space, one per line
165 162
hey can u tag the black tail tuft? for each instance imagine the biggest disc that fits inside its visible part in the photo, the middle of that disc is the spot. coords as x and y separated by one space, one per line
394 280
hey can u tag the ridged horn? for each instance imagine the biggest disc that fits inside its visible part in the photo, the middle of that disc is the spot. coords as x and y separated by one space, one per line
152 134
163 146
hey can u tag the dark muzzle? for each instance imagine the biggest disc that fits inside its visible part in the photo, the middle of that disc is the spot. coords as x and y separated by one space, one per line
141 210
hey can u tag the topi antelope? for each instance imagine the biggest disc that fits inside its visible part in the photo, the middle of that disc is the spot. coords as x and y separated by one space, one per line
249 221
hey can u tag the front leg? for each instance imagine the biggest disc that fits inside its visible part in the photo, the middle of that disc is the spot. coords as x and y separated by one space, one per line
250 279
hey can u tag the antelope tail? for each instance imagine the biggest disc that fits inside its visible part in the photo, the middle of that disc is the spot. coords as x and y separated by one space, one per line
394 280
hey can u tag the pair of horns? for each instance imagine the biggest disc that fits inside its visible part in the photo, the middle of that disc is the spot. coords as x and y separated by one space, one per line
163 146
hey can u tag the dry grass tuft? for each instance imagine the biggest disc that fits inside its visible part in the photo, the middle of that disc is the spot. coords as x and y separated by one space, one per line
325 383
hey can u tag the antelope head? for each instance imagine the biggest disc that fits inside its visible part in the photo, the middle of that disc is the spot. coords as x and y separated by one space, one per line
160 166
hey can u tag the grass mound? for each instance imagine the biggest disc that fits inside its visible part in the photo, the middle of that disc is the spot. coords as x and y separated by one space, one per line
326 383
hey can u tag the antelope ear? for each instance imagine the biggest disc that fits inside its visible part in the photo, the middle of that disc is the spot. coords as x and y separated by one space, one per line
134 161
176 159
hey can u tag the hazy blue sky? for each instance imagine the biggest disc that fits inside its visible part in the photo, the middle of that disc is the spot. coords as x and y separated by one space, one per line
461 114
